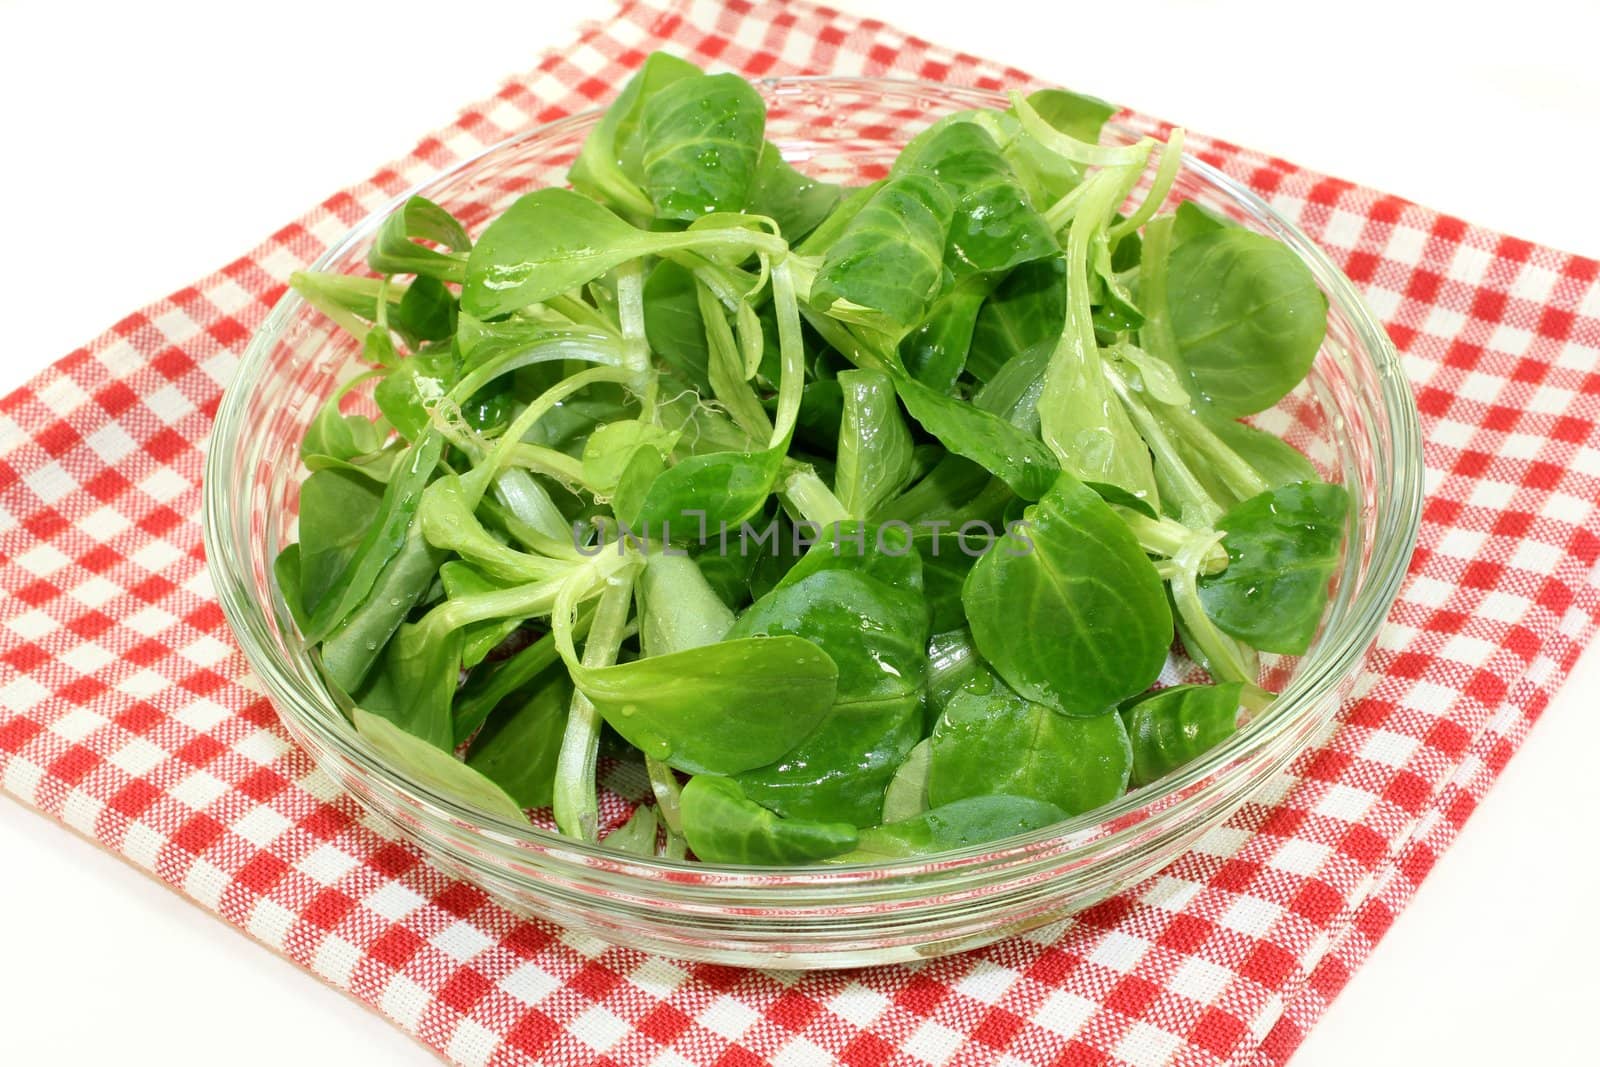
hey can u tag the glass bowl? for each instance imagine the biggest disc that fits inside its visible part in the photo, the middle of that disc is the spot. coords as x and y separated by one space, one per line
1354 416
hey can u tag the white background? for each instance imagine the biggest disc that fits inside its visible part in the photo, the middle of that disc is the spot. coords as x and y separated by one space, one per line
145 144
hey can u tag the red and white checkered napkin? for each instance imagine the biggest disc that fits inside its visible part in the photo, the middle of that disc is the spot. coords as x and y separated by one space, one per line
126 710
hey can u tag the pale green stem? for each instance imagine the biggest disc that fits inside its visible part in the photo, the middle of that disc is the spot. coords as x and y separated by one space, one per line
668 793
1192 495
1166 537
475 481
547 461
579 312
576 803
1225 658
1068 147
791 351
1239 476
1155 336
1160 186
815 502
630 313
576 345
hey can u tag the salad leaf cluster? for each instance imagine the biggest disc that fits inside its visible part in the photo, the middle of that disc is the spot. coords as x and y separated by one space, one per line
864 518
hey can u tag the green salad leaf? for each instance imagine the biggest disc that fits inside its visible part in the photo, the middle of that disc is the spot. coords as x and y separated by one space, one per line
821 522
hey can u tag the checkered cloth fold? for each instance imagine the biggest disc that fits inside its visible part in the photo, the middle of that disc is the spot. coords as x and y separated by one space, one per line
127 712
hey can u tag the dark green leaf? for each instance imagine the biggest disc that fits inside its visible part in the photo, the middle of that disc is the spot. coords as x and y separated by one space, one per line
821 415
723 826
427 311
608 166
673 325
862 605
841 770
947 559
995 226
838 220
1028 309
336 510
407 393
874 446
889 260
644 467
1192 220
1115 494
773 545
286 573
416 682
1000 743
492 683
961 824
333 435
719 709
353 645
884 554
699 141
1283 547
955 666
1169 727
1246 315
1069 610
701 495
517 748
383 539
798 204
953 483
1020 460
935 353
727 571
395 252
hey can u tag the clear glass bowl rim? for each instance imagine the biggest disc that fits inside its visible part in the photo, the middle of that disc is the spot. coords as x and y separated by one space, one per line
1336 652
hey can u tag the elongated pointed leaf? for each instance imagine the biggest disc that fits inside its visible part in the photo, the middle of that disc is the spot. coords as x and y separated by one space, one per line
1020 460
874 447
608 166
